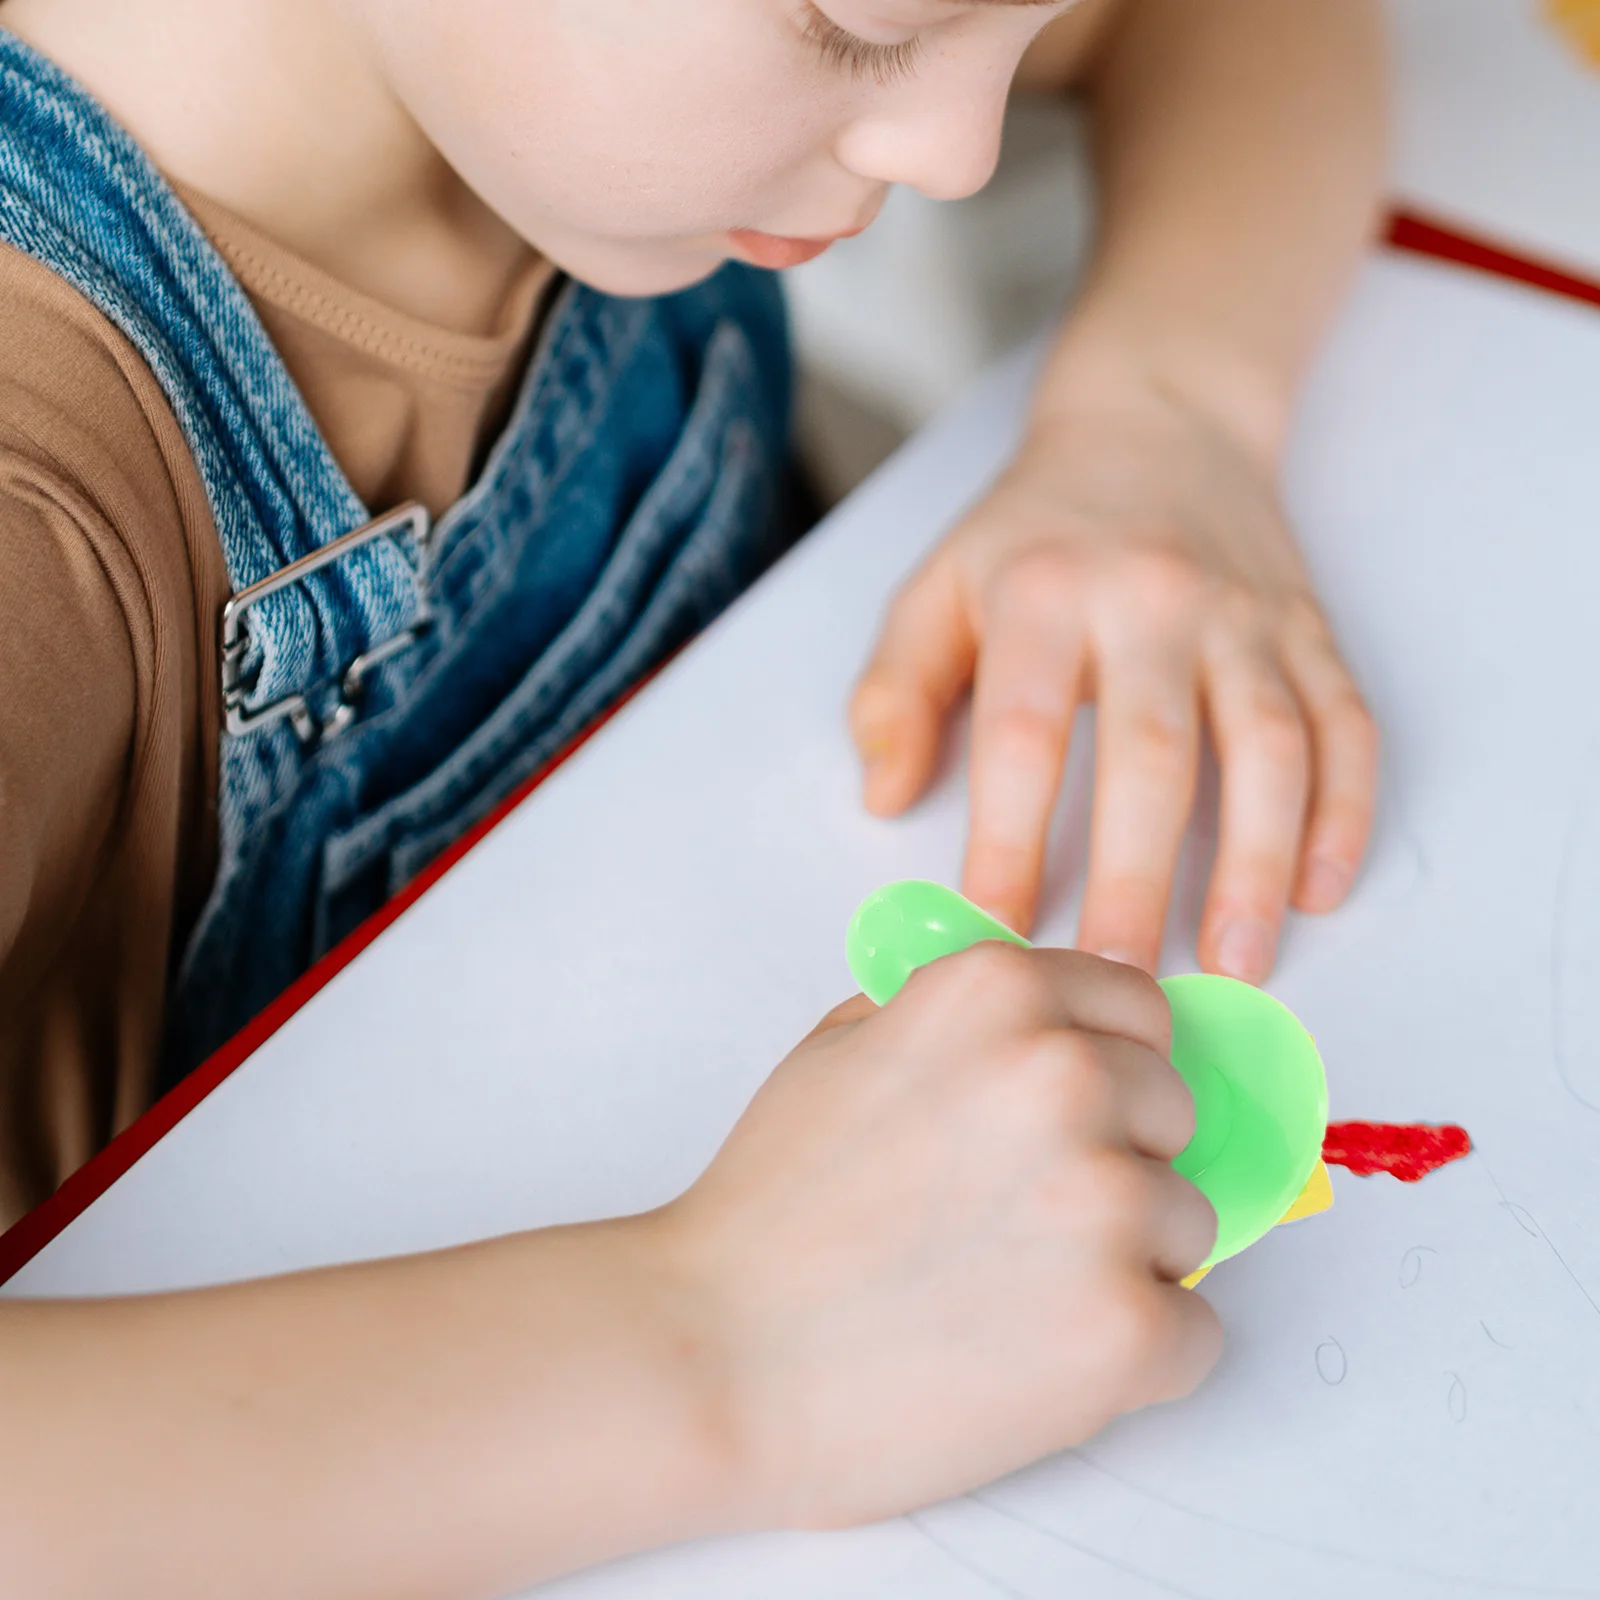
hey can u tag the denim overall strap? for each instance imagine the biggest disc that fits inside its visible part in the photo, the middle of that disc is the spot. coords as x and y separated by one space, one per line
633 494
79 196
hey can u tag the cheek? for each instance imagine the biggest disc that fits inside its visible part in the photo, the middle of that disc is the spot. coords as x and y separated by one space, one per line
569 123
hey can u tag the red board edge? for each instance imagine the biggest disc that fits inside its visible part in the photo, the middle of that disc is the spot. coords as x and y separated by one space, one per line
1420 235
1406 230
31 1233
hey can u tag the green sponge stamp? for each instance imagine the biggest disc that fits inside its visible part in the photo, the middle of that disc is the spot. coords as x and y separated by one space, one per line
1260 1093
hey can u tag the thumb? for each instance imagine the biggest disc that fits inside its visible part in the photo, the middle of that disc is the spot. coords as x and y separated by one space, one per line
923 661
856 1009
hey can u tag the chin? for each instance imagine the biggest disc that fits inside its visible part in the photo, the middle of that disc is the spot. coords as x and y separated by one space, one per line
636 271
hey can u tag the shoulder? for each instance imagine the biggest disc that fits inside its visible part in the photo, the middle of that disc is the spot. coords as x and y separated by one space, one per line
77 402
110 573
90 450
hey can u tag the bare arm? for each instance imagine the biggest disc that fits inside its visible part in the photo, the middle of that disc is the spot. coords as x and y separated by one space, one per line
1135 554
1241 152
459 1424
943 1241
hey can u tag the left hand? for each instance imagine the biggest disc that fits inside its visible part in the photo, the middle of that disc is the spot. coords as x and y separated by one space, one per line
1134 554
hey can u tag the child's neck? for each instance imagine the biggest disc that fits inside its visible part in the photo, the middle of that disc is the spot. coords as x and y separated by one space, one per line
274 108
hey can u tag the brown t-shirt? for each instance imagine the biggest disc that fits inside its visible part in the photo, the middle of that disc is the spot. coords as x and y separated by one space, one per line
111 582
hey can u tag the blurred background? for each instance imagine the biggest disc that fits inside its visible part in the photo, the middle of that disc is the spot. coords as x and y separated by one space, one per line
1497 132
890 326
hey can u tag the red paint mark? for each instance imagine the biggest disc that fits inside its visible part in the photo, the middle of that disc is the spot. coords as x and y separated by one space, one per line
34 1231
1407 1151
1406 230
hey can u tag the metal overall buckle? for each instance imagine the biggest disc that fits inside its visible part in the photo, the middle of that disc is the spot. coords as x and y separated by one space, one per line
240 719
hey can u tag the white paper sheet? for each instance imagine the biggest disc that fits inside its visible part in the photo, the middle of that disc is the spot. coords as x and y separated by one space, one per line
1497 122
1409 1405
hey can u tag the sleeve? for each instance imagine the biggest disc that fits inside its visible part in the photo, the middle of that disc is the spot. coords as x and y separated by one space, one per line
67 715
110 580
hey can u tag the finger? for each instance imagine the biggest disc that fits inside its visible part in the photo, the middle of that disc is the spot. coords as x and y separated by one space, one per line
1183 1350
1147 755
1185 1227
922 662
1155 1107
994 987
1344 742
1024 699
1263 748
856 1009
1089 995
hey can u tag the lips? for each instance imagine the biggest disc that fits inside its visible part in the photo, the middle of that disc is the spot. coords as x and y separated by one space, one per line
772 251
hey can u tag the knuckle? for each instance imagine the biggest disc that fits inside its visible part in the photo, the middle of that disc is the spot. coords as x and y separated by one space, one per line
1164 582
1278 733
1075 1089
1041 582
1023 1098
1030 1101
1234 611
994 977
1025 733
1150 997
1161 745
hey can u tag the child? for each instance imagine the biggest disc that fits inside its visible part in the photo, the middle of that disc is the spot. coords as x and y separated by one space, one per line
389 385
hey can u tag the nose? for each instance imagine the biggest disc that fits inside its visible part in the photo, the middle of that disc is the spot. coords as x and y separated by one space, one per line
939 135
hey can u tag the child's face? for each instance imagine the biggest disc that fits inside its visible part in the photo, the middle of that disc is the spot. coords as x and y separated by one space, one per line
640 143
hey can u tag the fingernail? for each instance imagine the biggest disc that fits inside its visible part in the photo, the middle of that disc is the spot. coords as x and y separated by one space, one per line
1113 953
1327 881
1245 949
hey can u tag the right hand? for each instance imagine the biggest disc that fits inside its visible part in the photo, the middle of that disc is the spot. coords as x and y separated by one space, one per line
946 1240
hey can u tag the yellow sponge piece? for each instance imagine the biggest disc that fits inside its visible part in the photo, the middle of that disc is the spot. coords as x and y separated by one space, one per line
1316 1196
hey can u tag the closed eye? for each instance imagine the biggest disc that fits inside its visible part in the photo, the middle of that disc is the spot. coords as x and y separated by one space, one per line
847 52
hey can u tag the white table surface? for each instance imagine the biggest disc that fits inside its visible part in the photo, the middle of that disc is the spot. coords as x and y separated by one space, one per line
568 1024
